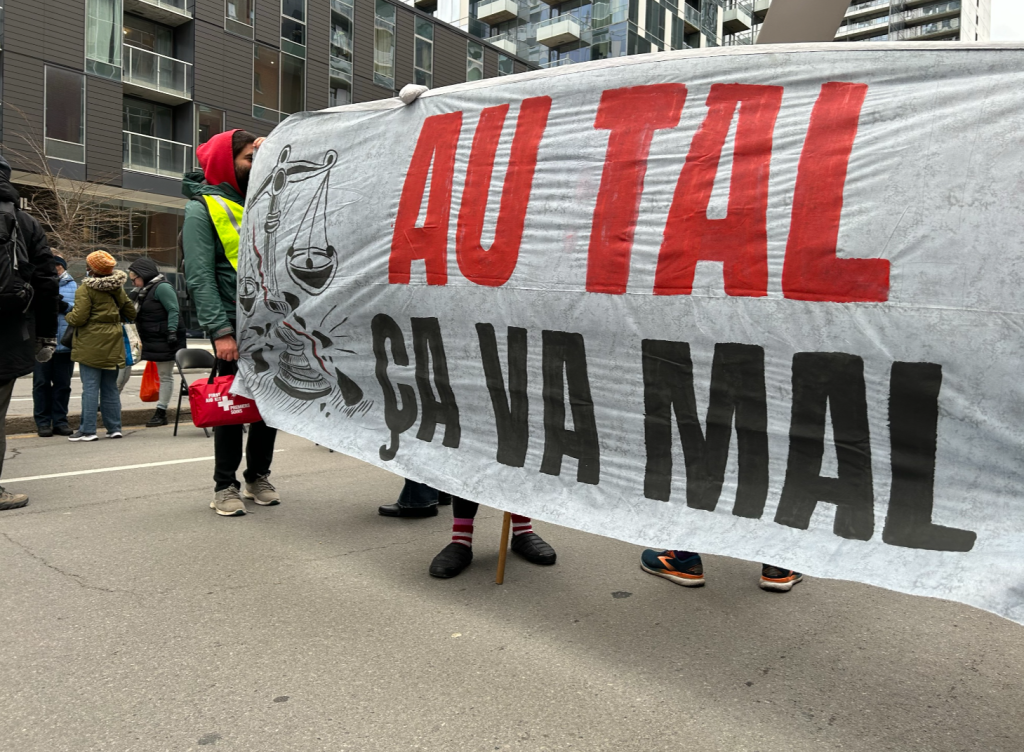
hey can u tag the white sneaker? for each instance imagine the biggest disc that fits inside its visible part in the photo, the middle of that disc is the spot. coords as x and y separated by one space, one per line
79 436
115 435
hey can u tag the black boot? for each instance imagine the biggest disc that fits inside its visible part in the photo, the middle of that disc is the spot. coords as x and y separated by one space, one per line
533 548
159 418
451 561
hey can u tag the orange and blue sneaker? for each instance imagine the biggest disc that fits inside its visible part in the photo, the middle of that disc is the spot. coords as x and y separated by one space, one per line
780 580
681 567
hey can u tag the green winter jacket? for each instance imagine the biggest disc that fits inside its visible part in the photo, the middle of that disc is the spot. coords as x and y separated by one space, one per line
212 281
101 304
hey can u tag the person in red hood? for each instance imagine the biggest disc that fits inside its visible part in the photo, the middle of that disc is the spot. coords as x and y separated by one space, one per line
209 240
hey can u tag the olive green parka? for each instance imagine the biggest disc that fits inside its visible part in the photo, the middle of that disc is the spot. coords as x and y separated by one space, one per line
101 304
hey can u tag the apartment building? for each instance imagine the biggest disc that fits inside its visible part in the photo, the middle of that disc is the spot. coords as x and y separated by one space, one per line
118 93
878 20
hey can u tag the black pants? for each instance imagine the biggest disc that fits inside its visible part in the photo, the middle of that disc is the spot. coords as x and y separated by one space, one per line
464 507
227 446
51 390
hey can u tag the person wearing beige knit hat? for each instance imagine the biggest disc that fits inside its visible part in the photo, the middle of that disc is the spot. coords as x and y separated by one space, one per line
101 305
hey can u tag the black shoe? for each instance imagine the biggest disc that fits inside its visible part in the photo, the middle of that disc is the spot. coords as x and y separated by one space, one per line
451 561
159 418
63 430
444 499
44 431
397 510
533 548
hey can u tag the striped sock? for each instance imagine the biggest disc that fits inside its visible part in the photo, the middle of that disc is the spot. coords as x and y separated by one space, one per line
521 525
462 531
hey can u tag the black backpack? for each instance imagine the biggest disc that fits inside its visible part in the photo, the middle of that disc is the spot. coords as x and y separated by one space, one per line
15 269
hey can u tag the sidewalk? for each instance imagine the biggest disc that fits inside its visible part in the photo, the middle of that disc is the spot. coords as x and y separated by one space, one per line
133 410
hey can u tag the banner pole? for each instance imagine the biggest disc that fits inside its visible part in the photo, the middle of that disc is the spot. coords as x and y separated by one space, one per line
506 522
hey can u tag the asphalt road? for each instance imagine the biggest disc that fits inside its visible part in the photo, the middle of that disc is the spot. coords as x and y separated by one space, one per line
135 619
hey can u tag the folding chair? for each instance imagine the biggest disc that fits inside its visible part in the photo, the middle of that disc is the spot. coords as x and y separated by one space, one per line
191 358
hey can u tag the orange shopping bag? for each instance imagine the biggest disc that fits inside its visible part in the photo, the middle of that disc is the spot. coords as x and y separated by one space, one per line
150 389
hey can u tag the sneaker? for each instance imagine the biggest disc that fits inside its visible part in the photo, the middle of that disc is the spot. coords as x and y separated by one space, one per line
681 567
451 561
159 418
533 548
10 500
262 492
228 503
44 431
63 430
79 436
115 435
780 580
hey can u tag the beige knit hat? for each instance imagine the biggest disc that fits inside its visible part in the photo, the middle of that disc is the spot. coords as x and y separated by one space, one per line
101 263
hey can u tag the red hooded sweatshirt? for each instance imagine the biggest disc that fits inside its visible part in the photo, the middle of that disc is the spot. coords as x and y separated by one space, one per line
217 160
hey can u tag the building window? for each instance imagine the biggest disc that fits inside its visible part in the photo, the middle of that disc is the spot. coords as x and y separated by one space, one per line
341 53
103 38
505 65
384 45
474 61
239 16
293 27
149 144
423 60
278 84
148 35
64 116
209 122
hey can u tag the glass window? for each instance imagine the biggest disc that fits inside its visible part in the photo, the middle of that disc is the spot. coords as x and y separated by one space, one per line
209 122
384 45
238 16
293 84
341 93
423 58
266 72
148 35
341 53
505 65
147 118
474 61
293 27
103 38
294 9
64 116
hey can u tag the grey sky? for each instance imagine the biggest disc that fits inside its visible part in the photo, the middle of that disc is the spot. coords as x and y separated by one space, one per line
1008 20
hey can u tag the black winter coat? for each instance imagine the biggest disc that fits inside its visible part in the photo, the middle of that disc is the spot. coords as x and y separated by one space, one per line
18 331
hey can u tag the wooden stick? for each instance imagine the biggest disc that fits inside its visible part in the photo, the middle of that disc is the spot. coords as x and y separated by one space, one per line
506 522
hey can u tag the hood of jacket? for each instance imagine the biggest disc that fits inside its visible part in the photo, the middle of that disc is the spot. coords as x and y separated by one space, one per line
217 160
145 268
194 185
106 284
66 279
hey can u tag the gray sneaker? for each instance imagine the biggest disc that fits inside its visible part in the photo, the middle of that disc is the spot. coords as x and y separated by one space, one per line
262 492
10 500
228 503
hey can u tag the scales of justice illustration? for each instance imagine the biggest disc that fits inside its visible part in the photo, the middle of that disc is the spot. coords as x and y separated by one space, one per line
311 262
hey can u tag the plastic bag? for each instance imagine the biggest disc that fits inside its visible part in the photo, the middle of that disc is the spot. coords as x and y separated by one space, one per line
150 389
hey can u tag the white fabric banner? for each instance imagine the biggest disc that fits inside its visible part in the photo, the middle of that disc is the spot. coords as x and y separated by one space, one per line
759 302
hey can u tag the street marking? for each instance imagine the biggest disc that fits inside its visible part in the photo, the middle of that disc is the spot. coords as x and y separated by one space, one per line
113 469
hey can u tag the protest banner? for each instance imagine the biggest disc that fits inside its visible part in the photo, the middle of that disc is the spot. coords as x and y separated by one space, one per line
759 302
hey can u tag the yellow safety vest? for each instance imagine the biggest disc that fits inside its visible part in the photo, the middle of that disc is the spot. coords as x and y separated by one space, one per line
227 221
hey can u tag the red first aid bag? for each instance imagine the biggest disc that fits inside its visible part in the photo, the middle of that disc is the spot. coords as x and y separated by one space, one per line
212 403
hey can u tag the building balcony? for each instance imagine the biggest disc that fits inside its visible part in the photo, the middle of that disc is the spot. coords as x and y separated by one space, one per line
935 12
760 8
156 77
342 8
868 27
496 11
504 42
559 30
156 156
859 11
557 63
167 12
930 30
427 5
735 40
607 13
738 16
691 19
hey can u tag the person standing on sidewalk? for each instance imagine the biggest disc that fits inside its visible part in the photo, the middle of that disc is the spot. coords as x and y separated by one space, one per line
28 306
160 328
209 240
51 382
101 305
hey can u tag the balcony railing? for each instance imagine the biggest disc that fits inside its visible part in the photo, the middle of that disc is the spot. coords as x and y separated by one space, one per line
608 13
505 41
930 10
166 76
931 29
156 156
560 30
858 26
557 63
496 11
861 7
167 12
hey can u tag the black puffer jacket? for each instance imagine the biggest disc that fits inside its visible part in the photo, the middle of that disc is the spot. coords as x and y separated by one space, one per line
152 322
18 331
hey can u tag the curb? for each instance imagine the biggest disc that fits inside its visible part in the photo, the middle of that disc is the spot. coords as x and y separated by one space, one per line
135 417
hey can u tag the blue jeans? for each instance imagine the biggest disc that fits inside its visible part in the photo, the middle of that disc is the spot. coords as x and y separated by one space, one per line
417 495
99 387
